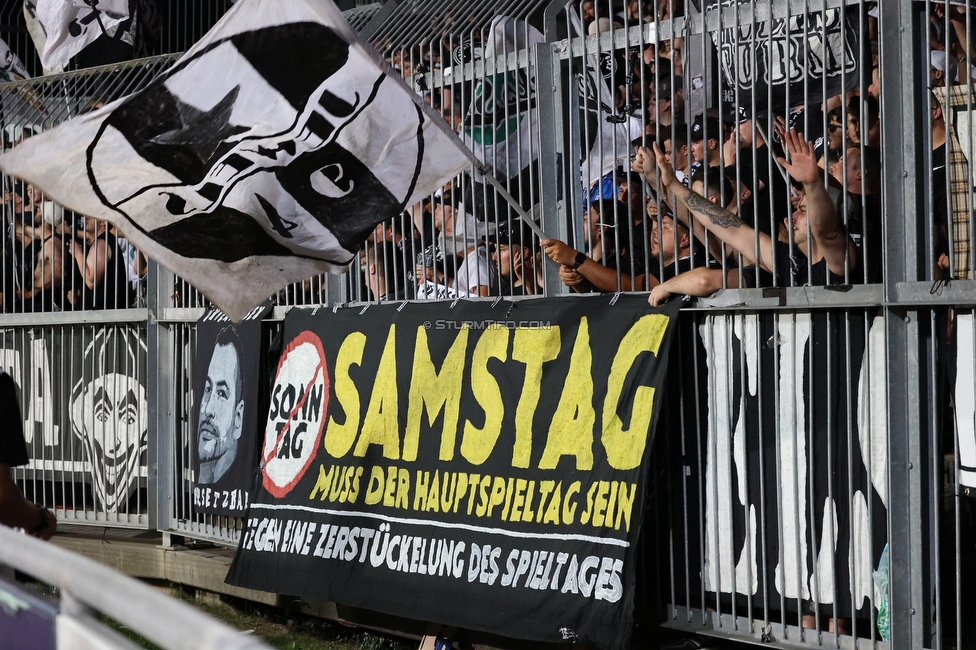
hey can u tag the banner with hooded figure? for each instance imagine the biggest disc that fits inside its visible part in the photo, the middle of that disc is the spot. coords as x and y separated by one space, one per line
417 460
225 384
251 164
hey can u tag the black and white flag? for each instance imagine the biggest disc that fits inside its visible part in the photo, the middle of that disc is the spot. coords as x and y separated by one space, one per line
502 123
11 68
69 26
783 62
264 156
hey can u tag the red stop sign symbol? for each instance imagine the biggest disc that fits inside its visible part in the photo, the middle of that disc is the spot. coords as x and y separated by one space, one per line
296 418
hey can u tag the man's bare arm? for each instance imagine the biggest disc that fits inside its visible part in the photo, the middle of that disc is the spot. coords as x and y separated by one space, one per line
825 227
698 282
728 227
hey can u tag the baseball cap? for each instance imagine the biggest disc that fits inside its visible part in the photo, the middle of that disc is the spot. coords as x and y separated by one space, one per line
513 232
666 89
945 63
705 126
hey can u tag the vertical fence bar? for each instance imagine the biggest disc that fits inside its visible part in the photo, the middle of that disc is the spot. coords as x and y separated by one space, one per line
902 32
160 385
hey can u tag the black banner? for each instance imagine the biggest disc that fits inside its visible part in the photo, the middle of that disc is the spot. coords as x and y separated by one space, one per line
86 411
788 61
480 465
225 383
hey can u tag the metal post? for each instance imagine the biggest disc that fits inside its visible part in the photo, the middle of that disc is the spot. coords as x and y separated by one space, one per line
160 383
550 118
903 63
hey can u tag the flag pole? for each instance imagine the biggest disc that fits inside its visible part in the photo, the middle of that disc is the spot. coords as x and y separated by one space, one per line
762 132
512 202
438 120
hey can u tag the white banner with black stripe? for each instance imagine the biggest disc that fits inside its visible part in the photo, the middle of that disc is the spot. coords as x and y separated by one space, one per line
250 165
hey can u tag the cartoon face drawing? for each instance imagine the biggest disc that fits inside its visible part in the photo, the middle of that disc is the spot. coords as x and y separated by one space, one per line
109 415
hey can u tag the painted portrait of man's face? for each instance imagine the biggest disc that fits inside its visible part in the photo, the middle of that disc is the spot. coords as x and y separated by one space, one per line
109 414
221 415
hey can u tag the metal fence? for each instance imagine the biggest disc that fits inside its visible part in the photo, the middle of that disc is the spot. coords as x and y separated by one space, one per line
88 592
812 475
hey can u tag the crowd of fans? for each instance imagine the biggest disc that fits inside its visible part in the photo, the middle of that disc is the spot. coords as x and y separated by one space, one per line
693 202
725 197
55 260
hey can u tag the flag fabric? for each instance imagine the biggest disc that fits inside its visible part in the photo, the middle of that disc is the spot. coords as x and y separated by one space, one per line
502 124
778 63
612 131
250 164
11 68
72 25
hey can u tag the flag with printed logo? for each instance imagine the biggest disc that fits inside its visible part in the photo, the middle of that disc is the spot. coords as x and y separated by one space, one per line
69 26
11 67
501 125
249 164
776 63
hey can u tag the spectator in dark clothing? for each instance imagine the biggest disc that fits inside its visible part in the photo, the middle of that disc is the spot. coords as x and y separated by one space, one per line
940 194
512 252
599 271
97 257
864 223
15 510
674 144
707 138
758 170
399 265
819 259
671 249
381 272
41 261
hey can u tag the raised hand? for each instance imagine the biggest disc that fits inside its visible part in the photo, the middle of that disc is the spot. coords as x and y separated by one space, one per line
802 165
653 209
641 156
667 171
779 128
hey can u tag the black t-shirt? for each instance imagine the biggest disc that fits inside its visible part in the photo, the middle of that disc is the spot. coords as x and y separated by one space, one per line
773 199
867 232
679 266
627 265
509 289
793 269
10 252
940 201
13 449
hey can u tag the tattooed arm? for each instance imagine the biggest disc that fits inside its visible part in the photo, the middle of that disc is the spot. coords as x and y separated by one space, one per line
678 209
719 221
